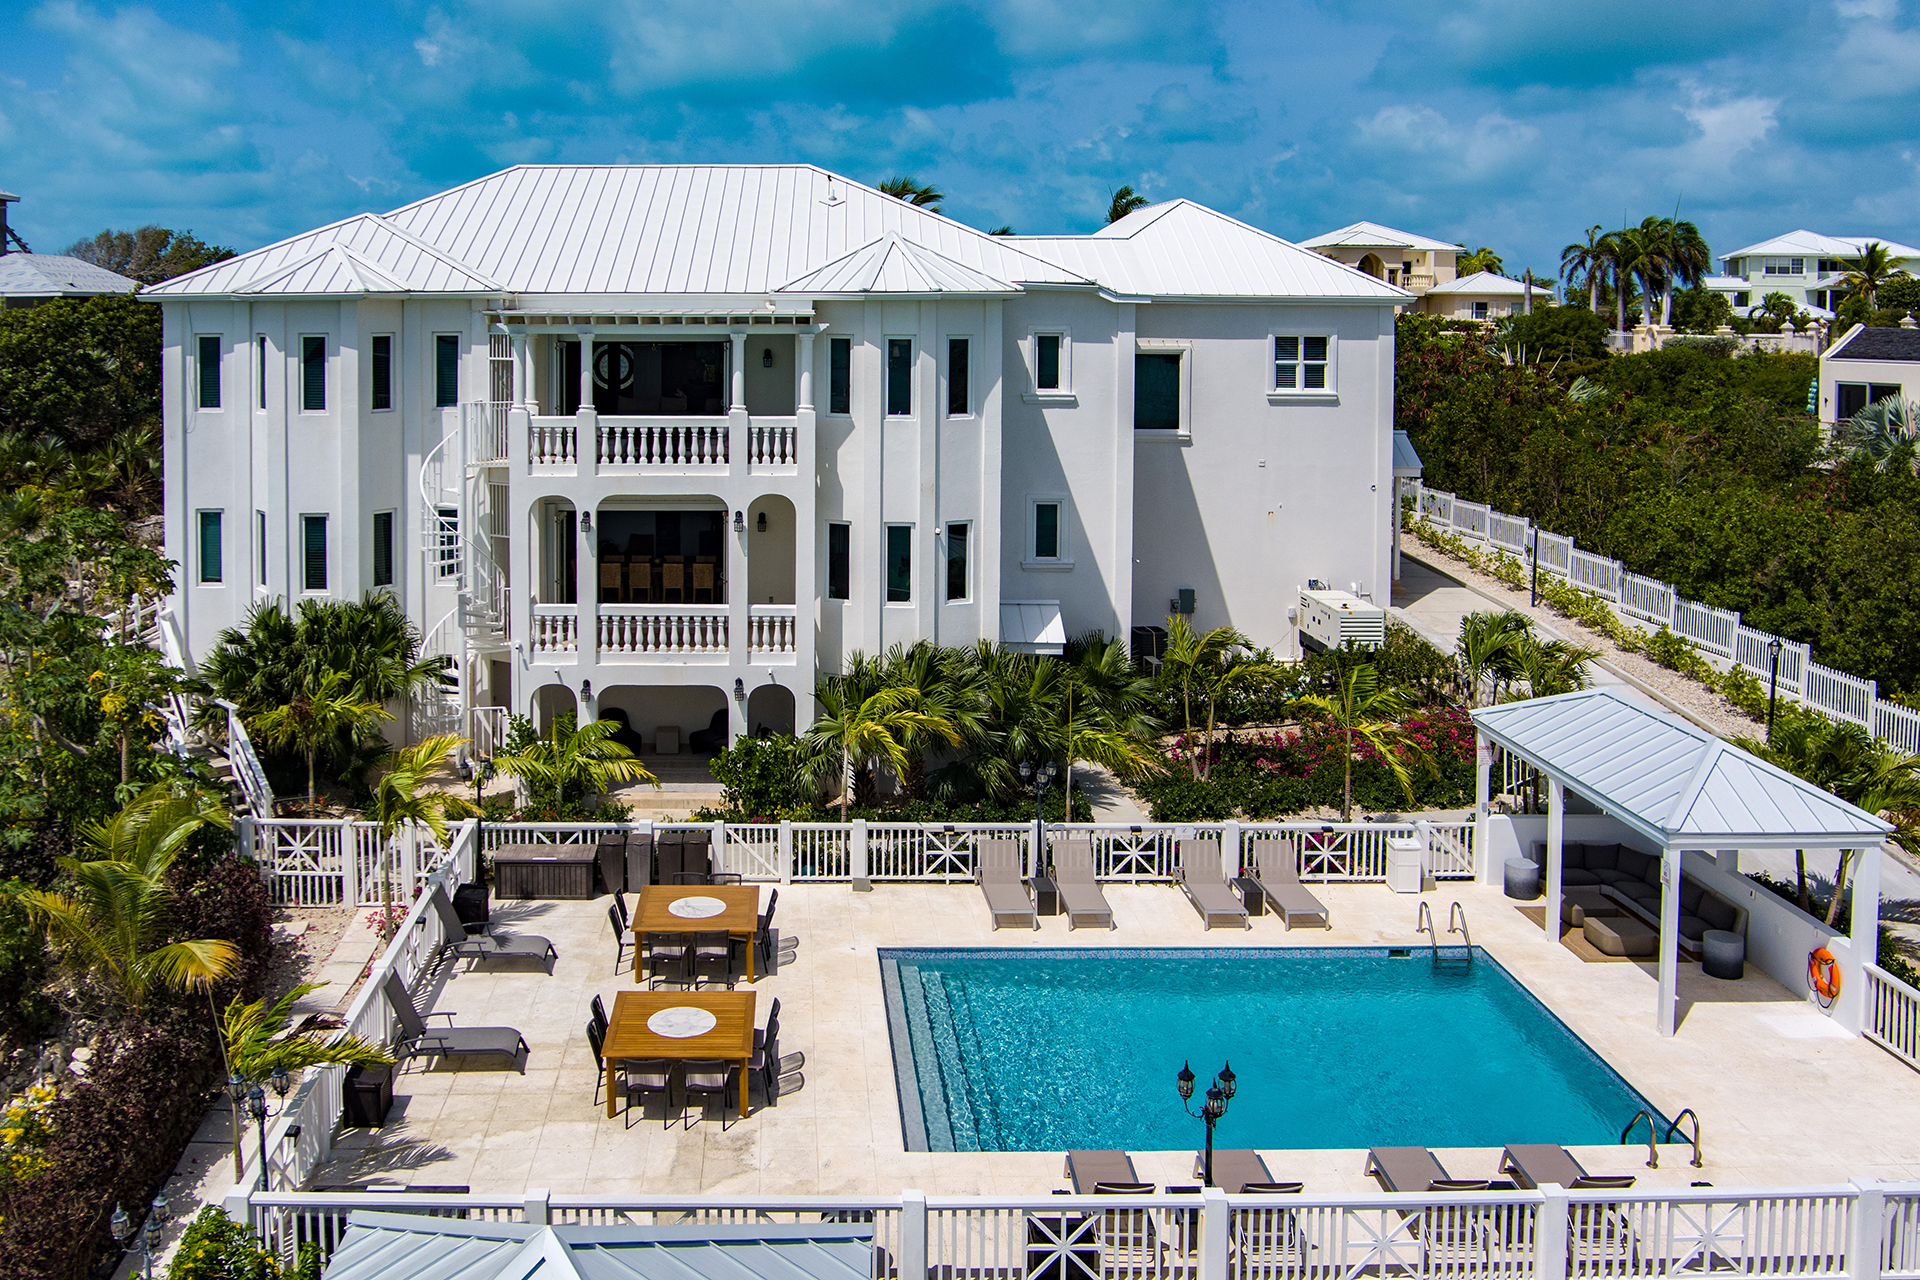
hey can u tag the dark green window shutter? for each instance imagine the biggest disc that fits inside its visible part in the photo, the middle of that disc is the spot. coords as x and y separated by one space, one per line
956 562
1047 361
383 548
210 546
314 552
1156 393
209 363
957 379
1046 531
840 377
839 562
313 374
446 369
383 371
899 563
899 377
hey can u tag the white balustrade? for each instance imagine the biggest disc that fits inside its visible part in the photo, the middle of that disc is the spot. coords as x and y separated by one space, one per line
1893 1015
556 630
645 631
771 629
552 442
652 442
772 443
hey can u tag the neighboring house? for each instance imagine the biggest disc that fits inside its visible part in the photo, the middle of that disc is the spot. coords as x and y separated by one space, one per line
29 279
674 439
1411 262
1483 296
1808 267
1868 365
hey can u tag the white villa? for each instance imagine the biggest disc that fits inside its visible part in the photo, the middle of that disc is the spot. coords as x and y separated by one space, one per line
672 439
1808 267
1484 295
1412 262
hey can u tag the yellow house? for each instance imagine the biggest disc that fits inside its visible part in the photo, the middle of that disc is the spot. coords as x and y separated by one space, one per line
1414 263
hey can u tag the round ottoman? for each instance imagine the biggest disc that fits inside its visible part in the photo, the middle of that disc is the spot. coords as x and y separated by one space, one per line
1523 878
1722 954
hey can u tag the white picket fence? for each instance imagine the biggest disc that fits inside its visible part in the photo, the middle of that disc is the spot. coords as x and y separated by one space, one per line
1718 633
1860 1230
343 862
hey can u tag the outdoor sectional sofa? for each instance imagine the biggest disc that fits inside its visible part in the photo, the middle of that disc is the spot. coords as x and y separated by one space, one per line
1632 879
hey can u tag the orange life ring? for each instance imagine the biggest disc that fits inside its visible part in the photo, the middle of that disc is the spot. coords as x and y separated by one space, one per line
1823 975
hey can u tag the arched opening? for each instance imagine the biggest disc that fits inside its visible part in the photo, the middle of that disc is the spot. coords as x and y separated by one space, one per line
770 710
1372 265
556 542
770 551
668 719
661 551
550 702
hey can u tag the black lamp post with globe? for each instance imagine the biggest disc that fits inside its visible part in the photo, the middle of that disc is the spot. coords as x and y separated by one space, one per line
1219 1094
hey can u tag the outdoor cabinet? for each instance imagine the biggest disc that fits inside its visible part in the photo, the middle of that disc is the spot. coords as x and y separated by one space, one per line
640 859
369 1096
1405 865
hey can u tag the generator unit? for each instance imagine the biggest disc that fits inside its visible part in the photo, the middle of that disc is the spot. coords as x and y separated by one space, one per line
1329 619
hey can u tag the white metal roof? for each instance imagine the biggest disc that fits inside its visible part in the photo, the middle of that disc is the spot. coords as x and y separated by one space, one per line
409 1246
1371 235
1487 284
1811 244
1180 249
1674 783
746 232
53 275
1406 460
1032 626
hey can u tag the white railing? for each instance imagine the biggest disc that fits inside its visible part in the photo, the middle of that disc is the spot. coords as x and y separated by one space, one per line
942 854
647 630
554 630
1718 633
1509 533
771 629
1852 1231
342 862
1893 1015
488 439
657 442
246 767
552 442
772 443
486 731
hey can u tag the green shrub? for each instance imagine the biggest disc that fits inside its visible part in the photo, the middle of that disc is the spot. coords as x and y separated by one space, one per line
761 778
1719 345
1181 797
214 1247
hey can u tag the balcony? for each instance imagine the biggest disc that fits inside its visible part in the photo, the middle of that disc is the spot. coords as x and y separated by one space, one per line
554 632
699 634
661 445
772 633
663 632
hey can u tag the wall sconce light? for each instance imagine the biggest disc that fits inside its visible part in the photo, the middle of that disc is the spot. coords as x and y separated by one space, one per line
762 524
586 691
766 358
586 522
739 690
739 522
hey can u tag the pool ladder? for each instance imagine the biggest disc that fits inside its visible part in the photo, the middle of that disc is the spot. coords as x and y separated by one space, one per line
1653 1152
1456 923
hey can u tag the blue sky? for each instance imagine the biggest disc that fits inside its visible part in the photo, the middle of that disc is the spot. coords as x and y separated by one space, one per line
1511 123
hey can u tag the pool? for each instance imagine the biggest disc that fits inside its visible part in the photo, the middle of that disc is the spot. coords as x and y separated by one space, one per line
1054 1049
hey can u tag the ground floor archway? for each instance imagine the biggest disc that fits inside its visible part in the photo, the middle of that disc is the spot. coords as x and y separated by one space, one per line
668 720
770 709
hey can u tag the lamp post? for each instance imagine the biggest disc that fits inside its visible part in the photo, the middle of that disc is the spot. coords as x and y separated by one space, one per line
1219 1094
122 1228
1773 692
1533 592
1039 779
257 1108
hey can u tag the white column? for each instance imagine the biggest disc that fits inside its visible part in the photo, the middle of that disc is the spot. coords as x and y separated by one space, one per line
913 1234
586 372
1668 1018
1556 842
1489 867
739 394
1396 529
804 398
1850 1010
1216 1225
522 372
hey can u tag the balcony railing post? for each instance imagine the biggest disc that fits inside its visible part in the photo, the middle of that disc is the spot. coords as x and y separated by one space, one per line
1215 1221
913 1235
785 847
349 863
1869 1230
1551 1234
537 1208
857 855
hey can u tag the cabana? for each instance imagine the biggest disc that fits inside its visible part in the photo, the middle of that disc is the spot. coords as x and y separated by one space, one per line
1677 791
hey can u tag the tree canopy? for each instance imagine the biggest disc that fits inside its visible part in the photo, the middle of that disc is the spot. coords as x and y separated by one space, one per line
149 254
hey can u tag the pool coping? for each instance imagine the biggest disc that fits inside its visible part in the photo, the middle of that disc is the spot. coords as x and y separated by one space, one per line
913 1116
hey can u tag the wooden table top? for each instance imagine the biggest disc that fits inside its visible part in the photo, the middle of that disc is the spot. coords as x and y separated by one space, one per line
544 853
731 1038
741 916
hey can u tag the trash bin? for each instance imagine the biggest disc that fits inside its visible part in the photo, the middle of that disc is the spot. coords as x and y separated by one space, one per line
470 904
1723 954
1406 864
1522 878
1046 896
369 1096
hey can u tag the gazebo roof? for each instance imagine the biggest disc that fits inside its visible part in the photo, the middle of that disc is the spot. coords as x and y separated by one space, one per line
1672 782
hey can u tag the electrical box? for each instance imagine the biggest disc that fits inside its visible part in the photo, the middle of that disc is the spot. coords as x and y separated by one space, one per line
1183 603
1330 619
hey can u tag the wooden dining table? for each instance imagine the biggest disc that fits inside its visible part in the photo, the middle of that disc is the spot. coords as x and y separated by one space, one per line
630 1038
739 918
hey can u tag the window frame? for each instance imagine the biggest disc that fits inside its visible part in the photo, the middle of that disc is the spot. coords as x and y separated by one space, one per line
1183 348
375 374
839 398
965 528
887 540
308 382
446 543
307 587
260 532
845 550
1030 351
206 369
1278 394
442 343
1482 310
887 379
1031 559
964 382
200 524
260 370
1787 267
388 517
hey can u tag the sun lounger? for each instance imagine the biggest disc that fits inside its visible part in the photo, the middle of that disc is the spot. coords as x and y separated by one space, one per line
1080 895
1008 901
1233 1170
1415 1169
1208 891
1276 866
480 947
449 1042
1531 1164
1088 1169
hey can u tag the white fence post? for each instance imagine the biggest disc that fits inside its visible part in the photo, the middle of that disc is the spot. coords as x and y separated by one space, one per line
239 1205
349 864
1230 849
1216 1219
718 843
1551 1233
785 847
857 858
538 1207
1869 1230
913 1235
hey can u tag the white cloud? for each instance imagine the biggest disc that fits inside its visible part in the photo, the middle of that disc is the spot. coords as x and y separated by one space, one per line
428 50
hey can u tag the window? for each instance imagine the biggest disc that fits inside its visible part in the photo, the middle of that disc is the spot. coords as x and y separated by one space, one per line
839 562
446 369
899 377
1156 392
446 541
383 548
1479 311
260 373
840 378
1046 531
1046 540
260 538
1741 299
672 378
382 371
210 546
1046 361
313 374
1786 266
1851 397
957 400
313 553
209 363
1300 363
957 561
899 563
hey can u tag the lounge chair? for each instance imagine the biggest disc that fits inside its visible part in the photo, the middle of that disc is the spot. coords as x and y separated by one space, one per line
1234 1171
1530 1164
452 1042
1080 895
1208 891
998 874
1415 1169
1088 1170
479 947
1276 869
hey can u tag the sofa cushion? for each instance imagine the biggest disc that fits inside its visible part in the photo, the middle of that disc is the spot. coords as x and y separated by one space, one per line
1538 853
1691 927
1578 875
1691 891
1638 865
1573 855
1718 913
1607 875
1639 890
1603 857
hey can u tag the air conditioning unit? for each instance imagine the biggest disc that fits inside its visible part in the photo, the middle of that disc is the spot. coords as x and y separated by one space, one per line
1330 619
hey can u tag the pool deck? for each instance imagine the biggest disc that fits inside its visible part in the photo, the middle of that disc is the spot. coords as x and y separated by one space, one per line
1783 1097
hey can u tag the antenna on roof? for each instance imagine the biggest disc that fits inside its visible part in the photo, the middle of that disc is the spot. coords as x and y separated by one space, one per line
833 195
8 236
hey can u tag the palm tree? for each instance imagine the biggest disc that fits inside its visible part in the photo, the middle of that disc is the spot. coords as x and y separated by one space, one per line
254 1043
1360 709
1106 720
1550 667
1124 202
867 730
950 689
914 192
400 801
1877 432
573 760
1024 696
1872 269
1487 652
1621 251
115 917
1585 262
1004 229
1208 666
1481 259
316 715
1672 252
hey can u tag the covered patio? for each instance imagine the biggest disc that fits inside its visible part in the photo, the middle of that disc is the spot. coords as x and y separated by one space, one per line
1659 787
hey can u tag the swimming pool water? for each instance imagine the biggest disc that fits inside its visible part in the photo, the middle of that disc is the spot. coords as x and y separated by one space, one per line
1061 1049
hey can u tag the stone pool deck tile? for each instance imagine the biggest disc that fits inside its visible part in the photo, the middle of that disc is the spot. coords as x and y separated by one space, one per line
1749 1058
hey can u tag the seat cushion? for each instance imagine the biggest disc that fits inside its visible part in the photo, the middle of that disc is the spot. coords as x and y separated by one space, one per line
1691 891
1718 913
1691 927
1578 875
1603 857
1640 891
1637 864
1608 875
1573 855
